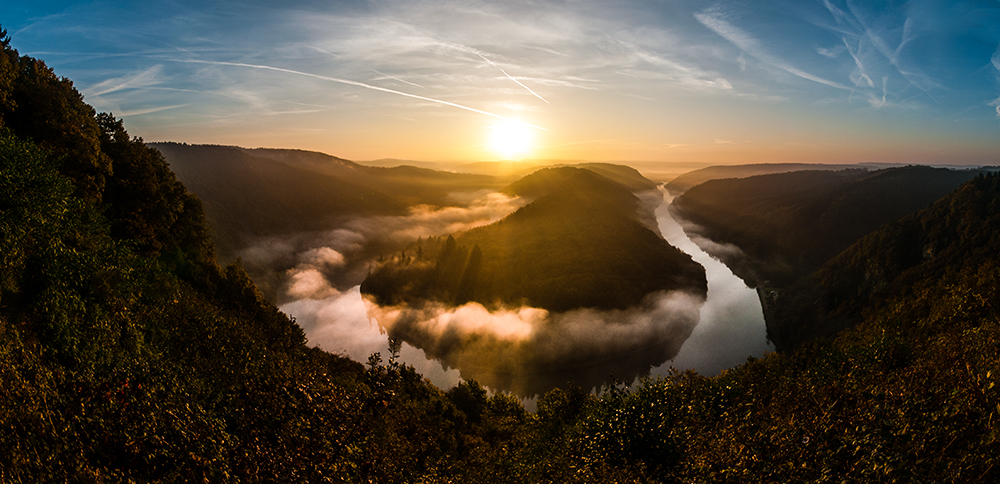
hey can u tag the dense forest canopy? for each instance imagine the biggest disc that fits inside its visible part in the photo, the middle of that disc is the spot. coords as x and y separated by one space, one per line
128 355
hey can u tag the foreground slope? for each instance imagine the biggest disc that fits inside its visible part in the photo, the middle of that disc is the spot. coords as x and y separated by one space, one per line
578 244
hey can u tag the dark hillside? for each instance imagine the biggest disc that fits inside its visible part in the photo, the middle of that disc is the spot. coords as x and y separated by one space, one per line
626 175
247 196
411 184
789 224
684 182
956 234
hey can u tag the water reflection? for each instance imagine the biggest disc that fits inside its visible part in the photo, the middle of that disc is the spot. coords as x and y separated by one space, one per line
529 351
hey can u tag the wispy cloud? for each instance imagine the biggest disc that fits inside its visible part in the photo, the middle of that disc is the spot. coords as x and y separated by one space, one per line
686 75
830 53
995 60
712 19
139 112
145 78
359 84
513 79
396 78
594 69
877 40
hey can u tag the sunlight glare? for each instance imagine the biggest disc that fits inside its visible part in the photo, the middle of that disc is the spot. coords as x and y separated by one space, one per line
511 140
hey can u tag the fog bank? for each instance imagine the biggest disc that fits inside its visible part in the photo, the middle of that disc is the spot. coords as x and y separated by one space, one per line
290 267
529 351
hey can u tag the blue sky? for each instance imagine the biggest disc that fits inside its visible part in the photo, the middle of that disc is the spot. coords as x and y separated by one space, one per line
671 81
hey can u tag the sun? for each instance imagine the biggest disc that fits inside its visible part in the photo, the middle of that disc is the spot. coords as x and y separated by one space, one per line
511 140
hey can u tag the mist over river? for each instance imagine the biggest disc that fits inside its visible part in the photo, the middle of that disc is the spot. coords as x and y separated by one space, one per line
730 324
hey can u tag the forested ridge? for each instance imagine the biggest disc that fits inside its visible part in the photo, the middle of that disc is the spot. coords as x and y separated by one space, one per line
686 181
128 355
788 224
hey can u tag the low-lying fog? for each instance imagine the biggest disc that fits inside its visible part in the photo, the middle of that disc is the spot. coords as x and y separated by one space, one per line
525 350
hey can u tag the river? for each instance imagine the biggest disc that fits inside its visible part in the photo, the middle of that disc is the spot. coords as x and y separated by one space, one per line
731 326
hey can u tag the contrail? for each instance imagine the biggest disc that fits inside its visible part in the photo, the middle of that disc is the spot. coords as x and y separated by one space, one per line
152 110
360 84
397 78
511 78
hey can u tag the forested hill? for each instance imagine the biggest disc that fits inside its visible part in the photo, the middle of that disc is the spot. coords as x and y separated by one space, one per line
411 184
684 182
944 243
788 224
579 244
626 175
251 193
247 197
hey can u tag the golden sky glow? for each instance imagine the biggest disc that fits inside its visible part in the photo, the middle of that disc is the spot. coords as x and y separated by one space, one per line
681 81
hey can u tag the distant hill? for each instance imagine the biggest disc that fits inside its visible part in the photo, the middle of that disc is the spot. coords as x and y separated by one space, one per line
250 193
579 244
788 224
248 196
413 185
508 170
683 182
955 235
626 175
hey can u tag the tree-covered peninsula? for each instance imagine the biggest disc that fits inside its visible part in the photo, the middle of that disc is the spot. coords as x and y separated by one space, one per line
579 244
